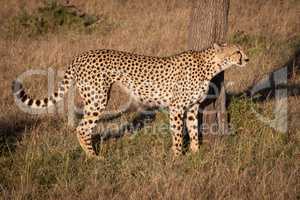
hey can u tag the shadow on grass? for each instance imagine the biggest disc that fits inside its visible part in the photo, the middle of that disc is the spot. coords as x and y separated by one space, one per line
11 132
137 123
278 79
275 86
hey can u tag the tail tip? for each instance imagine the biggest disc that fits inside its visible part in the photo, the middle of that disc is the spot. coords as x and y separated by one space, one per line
16 86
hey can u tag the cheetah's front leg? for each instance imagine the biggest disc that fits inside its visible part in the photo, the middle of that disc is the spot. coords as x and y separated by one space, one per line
176 125
192 126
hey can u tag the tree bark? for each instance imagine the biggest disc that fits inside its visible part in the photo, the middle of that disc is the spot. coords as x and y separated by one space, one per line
209 24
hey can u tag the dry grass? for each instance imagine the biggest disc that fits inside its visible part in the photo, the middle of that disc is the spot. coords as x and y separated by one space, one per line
40 157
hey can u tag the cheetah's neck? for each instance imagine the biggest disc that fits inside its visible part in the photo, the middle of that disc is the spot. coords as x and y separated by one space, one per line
217 67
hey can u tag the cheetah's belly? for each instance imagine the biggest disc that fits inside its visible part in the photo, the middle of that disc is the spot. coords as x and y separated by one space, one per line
147 94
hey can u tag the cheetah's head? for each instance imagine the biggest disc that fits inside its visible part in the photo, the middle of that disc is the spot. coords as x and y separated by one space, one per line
230 55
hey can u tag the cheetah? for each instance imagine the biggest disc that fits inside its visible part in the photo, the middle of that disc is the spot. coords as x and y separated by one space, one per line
179 82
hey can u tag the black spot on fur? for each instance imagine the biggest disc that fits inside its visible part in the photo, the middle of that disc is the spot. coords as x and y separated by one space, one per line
95 114
30 102
38 102
191 118
53 100
24 98
21 94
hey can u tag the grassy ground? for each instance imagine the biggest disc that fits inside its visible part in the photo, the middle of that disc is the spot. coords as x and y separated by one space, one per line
41 158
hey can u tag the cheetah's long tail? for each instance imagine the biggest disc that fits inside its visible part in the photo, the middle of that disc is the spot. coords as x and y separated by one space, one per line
20 94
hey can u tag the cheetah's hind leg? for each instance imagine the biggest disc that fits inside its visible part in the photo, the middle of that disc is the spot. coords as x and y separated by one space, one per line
92 112
85 133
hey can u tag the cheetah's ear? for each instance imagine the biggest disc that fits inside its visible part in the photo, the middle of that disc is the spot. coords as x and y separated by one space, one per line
216 46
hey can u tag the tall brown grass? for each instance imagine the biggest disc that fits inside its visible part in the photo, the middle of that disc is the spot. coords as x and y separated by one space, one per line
40 157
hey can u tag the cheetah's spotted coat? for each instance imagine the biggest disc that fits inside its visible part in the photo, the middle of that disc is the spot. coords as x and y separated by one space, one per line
178 82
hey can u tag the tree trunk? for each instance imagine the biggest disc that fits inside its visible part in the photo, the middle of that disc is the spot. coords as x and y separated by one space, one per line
209 23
